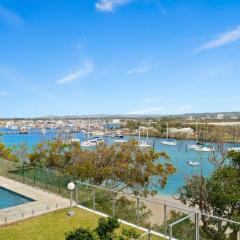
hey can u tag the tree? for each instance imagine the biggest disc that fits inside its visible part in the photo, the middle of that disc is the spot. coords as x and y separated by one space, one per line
121 166
104 231
219 195
80 234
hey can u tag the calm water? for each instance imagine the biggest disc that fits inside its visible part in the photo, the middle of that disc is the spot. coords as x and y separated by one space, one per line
179 156
9 198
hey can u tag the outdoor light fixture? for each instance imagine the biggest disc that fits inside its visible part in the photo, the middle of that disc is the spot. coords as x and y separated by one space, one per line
71 187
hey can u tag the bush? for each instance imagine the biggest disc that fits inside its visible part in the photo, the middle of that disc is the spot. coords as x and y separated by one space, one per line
80 234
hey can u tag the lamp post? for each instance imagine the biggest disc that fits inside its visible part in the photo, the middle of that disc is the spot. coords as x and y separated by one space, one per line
71 187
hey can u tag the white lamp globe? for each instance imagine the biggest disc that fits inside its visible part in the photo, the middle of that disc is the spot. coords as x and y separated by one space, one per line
71 186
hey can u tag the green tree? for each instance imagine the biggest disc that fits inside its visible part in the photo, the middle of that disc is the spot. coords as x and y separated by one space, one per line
219 194
122 166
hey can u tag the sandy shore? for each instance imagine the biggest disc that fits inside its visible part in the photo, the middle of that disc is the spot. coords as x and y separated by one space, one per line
157 207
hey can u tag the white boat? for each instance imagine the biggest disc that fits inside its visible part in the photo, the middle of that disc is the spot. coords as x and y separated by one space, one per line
73 140
193 146
235 149
43 131
88 144
97 133
13 127
168 142
192 163
202 148
143 144
120 141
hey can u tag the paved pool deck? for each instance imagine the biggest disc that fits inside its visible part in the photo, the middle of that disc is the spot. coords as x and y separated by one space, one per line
44 202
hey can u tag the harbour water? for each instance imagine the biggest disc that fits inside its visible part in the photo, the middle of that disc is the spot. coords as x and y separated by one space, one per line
179 155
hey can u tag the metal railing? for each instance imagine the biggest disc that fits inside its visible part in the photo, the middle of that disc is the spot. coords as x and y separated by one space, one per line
90 200
19 214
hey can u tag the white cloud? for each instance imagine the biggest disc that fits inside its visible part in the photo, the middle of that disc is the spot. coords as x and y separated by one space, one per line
138 70
9 16
147 100
222 39
78 74
154 110
3 93
182 108
110 5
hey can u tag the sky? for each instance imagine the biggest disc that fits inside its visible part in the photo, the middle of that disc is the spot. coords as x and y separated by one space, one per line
74 57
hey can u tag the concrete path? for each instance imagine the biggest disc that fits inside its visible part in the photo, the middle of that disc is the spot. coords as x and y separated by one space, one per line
44 202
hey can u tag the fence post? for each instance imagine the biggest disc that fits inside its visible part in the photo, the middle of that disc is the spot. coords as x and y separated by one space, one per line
94 199
76 193
138 216
238 235
196 226
34 177
113 206
170 232
165 219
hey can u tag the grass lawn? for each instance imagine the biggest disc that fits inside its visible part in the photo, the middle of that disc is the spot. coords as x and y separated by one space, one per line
52 226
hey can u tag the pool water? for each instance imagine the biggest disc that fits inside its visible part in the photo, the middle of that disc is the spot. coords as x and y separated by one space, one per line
9 198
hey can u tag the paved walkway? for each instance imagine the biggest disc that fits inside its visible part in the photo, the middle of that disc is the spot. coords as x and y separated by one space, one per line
44 202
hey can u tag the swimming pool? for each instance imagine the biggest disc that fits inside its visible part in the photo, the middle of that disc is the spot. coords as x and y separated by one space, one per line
9 198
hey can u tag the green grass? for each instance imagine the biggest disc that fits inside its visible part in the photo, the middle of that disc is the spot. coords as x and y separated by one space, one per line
52 226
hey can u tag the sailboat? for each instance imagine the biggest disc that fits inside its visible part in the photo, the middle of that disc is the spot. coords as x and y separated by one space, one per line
88 143
195 146
201 147
143 144
237 147
167 141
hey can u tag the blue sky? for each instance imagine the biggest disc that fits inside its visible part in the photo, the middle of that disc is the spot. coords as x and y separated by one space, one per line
63 57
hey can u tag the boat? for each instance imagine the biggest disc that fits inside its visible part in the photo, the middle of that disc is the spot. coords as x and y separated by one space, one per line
43 131
97 133
120 140
195 146
143 144
23 130
234 149
88 144
118 136
192 163
72 140
204 148
167 141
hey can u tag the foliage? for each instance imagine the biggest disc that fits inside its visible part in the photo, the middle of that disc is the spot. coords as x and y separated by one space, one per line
121 166
183 230
106 227
104 231
7 154
219 194
133 125
80 234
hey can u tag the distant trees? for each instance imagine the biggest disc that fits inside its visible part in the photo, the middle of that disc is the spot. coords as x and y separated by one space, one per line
218 194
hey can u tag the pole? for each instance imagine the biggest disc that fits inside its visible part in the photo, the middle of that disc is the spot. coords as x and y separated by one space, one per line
138 217
196 226
71 195
94 200
170 232
113 207
165 219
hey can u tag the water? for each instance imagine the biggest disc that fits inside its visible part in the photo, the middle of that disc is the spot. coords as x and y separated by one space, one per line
179 156
9 198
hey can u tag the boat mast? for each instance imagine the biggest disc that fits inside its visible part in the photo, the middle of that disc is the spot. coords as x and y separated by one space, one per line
88 129
167 132
196 131
139 135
